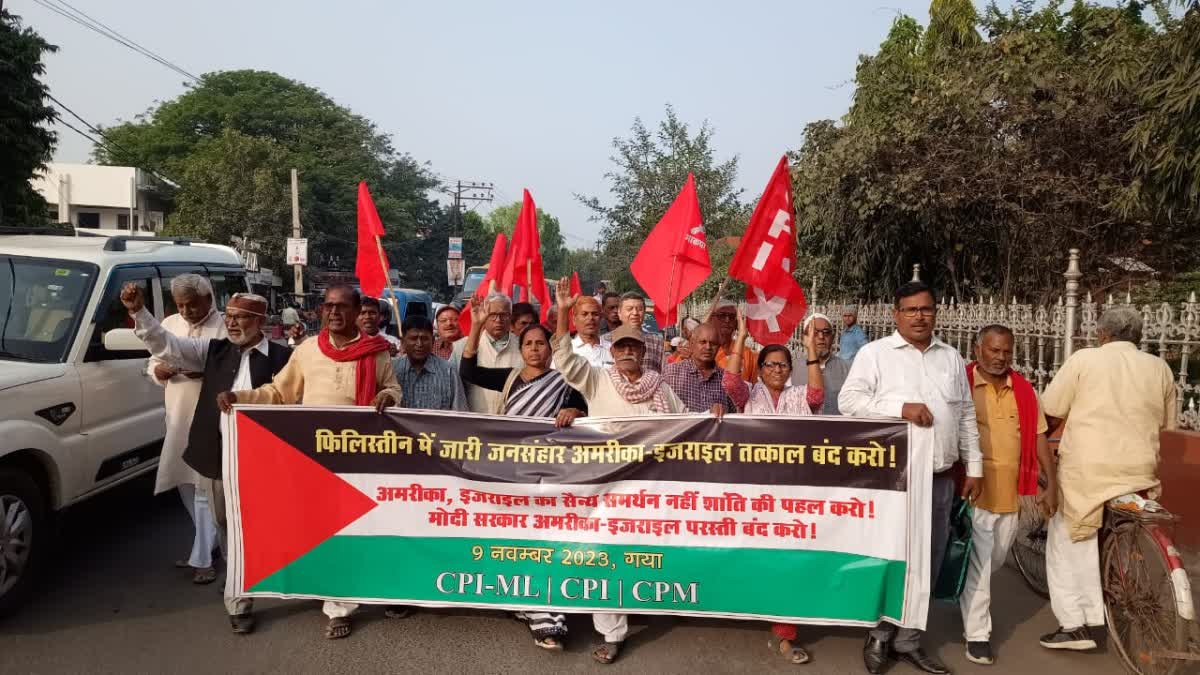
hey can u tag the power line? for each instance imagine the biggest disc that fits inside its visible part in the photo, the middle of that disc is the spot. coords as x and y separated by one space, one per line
111 146
83 19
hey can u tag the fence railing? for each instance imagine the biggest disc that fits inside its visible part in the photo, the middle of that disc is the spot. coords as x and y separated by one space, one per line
1045 334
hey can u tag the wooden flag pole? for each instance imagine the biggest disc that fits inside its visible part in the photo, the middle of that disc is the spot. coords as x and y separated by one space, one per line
388 279
670 290
717 300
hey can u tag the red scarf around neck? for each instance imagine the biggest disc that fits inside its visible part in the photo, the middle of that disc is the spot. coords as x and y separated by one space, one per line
1027 418
363 350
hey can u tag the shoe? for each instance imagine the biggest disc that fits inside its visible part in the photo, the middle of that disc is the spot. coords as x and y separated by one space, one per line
1079 639
918 659
242 623
875 655
980 652
397 611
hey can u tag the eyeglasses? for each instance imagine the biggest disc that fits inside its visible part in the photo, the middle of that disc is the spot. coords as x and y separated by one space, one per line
239 317
776 365
912 312
725 317
340 306
827 332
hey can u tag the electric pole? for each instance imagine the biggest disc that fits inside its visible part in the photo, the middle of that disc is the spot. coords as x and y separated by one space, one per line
298 270
469 191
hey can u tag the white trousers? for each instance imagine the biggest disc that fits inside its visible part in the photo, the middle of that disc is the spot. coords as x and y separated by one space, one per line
1073 573
338 610
206 537
992 535
214 491
614 627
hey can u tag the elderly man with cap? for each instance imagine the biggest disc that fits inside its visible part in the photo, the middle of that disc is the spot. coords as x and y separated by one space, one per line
245 358
341 367
193 296
834 368
623 389
724 319
853 337
447 331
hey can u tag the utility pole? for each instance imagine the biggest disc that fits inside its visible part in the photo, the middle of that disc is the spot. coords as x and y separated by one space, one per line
469 191
298 270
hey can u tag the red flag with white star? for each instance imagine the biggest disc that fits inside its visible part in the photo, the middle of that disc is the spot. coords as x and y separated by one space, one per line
765 258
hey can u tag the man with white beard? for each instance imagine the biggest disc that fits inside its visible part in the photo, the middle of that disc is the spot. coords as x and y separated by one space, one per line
243 360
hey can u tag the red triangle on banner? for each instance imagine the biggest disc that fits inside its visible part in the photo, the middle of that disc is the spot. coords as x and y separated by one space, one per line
289 503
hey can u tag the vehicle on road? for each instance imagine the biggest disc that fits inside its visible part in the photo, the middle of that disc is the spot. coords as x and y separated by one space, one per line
78 414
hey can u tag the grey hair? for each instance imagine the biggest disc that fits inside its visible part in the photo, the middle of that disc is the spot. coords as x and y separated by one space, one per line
498 297
191 284
1121 324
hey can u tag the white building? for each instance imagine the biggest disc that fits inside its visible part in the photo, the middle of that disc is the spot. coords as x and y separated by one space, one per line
103 199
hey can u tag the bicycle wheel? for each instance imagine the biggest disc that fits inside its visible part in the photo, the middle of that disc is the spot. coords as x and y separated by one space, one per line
1029 547
1139 601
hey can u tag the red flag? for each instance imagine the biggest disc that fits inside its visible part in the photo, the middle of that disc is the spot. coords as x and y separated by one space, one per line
765 258
673 261
523 267
371 276
576 289
493 272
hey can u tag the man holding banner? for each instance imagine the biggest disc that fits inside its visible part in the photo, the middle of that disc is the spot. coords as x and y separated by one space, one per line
622 389
341 367
914 375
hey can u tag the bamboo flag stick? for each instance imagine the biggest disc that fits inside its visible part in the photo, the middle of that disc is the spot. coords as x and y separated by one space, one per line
717 300
388 279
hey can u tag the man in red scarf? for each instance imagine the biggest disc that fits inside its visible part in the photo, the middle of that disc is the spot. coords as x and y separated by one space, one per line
340 367
1012 436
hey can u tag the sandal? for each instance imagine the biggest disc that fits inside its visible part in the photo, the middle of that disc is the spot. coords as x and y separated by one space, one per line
789 651
242 623
606 652
550 643
338 628
181 564
204 575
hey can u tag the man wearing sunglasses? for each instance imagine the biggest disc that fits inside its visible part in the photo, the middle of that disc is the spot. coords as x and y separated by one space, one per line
913 375
834 369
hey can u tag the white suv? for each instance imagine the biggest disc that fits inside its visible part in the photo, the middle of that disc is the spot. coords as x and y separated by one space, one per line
76 417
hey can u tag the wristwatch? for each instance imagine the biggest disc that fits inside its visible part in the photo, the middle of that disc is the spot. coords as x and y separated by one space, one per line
813 362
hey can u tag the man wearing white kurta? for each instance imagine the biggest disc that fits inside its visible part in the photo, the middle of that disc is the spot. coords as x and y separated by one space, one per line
499 348
197 318
622 389
913 375
1116 400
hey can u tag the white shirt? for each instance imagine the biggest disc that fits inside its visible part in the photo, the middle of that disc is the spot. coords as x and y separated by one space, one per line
596 354
890 372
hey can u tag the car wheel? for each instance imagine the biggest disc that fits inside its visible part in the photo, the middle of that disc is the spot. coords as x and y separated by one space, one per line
23 536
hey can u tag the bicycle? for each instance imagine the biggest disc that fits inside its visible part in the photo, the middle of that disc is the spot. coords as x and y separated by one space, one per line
1147 596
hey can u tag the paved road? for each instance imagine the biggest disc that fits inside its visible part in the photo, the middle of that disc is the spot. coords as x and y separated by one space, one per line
113 603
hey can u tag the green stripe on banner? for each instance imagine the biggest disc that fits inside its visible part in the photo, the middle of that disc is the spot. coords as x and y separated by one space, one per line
817 585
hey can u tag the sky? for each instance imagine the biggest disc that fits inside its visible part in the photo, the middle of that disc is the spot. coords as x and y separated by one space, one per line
519 94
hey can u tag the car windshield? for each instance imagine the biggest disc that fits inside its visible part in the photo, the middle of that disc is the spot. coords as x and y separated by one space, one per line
40 304
474 278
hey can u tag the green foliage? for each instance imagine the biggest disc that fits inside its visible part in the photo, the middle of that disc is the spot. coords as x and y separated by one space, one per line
985 160
26 143
274 119
588 263
554 249
651 168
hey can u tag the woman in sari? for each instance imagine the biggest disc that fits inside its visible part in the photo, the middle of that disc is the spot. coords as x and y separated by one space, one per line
533 390
774 395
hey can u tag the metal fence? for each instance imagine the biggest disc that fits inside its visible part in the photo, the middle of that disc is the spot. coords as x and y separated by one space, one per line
1045 334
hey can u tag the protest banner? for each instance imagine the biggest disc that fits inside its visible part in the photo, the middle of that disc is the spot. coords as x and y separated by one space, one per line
806 520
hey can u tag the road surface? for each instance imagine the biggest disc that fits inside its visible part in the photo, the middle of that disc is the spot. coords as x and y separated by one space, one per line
113 603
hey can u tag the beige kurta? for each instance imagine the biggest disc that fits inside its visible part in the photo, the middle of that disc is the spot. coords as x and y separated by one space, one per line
1116 400
479 399
597 388
180 401
312 378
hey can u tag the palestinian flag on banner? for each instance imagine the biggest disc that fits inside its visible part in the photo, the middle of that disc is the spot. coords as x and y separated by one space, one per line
670 515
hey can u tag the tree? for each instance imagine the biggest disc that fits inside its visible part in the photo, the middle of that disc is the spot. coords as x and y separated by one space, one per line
332 147
237 185
588 263
985 160
651 168
26 144
554 249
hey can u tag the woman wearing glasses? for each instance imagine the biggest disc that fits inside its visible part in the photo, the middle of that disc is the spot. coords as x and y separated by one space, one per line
774 395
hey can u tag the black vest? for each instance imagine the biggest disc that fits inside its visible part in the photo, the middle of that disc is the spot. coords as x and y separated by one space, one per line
221 367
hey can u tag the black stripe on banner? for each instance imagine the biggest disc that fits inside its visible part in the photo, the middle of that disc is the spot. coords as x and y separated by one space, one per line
834 438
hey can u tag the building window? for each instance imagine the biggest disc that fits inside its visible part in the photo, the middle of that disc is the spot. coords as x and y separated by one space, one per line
89 219
123 221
